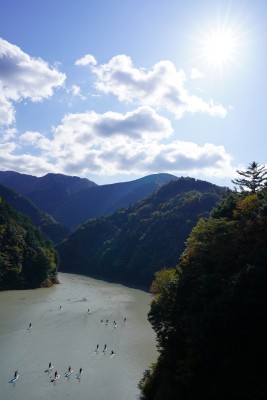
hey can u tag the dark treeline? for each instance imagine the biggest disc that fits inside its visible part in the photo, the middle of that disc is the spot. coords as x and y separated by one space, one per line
209 313
131 244
27 259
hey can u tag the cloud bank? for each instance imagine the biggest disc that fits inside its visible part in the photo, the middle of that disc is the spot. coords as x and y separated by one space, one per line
114 143
138 142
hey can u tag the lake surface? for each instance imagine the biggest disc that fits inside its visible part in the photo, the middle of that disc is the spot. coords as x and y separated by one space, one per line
64 333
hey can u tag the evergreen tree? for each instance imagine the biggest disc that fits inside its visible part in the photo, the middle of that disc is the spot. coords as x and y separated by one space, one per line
255 178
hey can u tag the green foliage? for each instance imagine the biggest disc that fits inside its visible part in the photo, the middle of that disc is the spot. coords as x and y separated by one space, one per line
27 259
132 244
162 279
211 321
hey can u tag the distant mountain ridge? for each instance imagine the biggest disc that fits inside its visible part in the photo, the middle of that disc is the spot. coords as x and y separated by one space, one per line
72 200
47 192
24 183
104 200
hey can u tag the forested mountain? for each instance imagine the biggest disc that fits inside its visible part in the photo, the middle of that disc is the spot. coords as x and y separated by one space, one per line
27 260
53 230
47 192
210 312
131 244
71 200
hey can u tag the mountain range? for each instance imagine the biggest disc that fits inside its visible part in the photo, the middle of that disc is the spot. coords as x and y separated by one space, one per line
123 232
71 200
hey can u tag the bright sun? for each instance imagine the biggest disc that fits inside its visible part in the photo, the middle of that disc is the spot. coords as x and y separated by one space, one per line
219 47
221 44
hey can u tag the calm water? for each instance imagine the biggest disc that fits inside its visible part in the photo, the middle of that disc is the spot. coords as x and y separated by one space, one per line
69 335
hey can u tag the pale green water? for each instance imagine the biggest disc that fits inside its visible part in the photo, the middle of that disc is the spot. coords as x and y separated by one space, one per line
68 336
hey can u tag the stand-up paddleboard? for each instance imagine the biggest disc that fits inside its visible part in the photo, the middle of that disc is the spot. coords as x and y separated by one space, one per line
79 375
49 369
68 373
13 380
55 378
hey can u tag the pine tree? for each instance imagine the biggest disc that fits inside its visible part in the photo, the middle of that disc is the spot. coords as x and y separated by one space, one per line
255 178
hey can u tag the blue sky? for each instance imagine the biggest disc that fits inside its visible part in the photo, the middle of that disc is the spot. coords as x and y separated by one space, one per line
115 90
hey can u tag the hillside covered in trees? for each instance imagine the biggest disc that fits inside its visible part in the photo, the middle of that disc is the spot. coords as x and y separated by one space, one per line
133 243
209 313
27 259
51 228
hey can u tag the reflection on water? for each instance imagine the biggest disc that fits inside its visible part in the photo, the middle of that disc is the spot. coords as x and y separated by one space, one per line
69 321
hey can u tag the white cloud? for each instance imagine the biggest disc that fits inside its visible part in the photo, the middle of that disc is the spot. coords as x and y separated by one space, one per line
113 143
24 77
190 158
86 60
24 163
7 134
160 87
196 74
75 90
31 137
7 112
6 148
142 124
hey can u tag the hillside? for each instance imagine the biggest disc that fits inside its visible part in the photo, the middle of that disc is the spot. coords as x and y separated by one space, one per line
209 313
52 229
131 244
27 260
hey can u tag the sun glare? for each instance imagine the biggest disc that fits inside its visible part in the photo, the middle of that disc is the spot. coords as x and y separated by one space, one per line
219 47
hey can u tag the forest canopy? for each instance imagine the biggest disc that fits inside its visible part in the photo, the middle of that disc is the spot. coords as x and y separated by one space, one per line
132 244
209 313
27 258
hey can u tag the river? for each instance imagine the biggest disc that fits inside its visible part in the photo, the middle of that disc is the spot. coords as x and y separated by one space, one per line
64 333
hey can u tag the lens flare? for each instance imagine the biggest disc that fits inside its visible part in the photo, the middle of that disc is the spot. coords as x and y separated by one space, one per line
220 47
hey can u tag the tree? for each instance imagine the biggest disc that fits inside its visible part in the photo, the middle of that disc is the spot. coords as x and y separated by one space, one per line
27 259
255 177
210 318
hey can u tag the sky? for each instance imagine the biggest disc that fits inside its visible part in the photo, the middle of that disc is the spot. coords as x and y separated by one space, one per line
114 90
